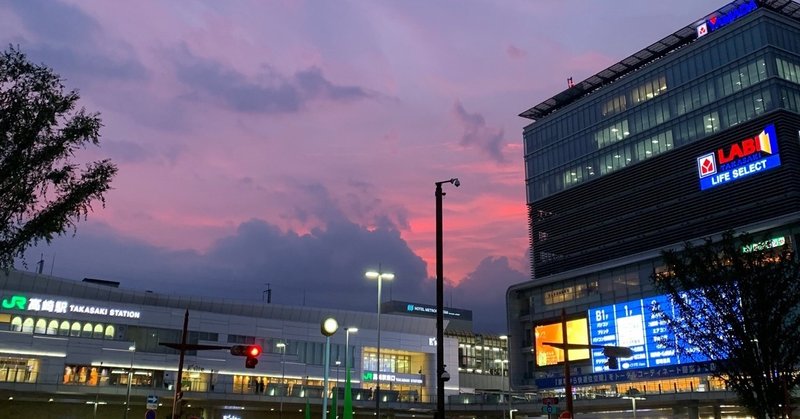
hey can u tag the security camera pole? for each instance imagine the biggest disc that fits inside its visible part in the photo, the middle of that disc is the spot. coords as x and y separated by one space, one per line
441 374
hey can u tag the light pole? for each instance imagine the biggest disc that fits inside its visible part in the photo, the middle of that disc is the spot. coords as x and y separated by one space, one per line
440 372
328 328
282 347
348 395
379 276
336 390
502 363
633 401
132 349
506 373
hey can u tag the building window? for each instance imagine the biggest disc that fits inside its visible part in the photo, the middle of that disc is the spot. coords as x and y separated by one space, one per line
41 326
52 327
649 89
75 330
109 334
63 329
16 324
614 105
19 370
27 325
98 331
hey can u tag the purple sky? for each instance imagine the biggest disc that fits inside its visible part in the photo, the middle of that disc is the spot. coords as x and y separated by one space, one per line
297 143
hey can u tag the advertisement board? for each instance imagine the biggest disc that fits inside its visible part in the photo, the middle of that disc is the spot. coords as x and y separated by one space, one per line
577 332
640 326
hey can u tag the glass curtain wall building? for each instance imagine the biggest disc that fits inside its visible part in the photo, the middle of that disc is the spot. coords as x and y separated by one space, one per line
693 135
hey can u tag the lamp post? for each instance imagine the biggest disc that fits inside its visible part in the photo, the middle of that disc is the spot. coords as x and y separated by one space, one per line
328 328
348 394
506 377
633 401
379 276
282 347
440 372
132 349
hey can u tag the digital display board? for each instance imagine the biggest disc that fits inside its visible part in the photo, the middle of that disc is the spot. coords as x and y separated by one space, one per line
577 332
640 326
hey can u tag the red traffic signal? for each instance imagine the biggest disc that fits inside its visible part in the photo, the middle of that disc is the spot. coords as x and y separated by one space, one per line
246 350
250 351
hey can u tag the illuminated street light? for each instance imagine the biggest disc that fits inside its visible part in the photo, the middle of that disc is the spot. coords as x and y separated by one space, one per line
379 276
328 327
132 349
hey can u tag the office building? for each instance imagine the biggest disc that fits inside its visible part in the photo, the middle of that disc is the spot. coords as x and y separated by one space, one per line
693 135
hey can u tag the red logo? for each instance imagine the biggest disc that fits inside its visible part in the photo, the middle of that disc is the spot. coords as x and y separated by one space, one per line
746 147
706 165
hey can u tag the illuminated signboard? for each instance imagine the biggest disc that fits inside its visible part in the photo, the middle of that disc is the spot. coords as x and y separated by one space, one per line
717 21
577 332
393 377
740 159
764 245
21 302
637 325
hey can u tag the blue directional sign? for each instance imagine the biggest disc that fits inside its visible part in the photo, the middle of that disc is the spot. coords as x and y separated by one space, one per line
640 326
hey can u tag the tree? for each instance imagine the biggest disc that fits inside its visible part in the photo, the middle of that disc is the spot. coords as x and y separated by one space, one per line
738 302
42 192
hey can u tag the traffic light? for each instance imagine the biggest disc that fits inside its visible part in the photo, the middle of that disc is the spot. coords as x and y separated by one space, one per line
252 352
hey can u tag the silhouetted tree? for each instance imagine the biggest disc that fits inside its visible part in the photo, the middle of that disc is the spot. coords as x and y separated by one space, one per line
42 192
738 302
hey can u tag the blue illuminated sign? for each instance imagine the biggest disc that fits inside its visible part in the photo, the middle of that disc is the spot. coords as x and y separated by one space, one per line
639 325
746 157
717 21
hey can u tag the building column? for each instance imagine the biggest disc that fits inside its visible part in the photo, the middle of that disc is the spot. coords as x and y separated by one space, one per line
717 412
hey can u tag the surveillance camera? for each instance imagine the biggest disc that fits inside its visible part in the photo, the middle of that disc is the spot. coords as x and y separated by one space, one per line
456 182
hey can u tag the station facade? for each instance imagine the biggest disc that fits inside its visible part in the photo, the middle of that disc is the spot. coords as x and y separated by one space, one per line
694 135
71 349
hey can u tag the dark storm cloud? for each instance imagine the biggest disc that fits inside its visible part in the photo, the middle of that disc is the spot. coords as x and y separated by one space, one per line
477 134
324 268
55 20
71 42
270 93
484 292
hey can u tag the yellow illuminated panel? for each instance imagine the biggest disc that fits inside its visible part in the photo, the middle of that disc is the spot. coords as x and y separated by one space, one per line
577 332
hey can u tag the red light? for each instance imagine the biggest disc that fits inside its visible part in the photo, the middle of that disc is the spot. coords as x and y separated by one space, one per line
255 351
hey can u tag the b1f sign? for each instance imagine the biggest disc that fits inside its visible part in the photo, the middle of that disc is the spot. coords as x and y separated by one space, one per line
743 158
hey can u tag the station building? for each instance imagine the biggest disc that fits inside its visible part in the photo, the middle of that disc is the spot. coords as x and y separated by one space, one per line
82 349
695 134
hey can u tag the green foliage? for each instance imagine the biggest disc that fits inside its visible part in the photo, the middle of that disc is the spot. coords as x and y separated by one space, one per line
42 193
740 303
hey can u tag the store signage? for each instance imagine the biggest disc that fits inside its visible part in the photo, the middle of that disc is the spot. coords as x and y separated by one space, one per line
764 245
392 378
607 377
718 21
641 326
740 159
417 308
21 302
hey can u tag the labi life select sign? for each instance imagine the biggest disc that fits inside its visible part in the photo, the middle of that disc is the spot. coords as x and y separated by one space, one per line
743 158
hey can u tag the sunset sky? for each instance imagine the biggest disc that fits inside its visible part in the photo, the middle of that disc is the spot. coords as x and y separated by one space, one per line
296 143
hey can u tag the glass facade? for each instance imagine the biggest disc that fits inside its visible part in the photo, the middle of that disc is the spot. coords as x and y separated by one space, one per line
721 82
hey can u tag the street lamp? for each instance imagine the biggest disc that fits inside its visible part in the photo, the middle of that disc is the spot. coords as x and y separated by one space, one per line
328 328
348 395
282 347
440 372
379 276
632 396
132 349
506 377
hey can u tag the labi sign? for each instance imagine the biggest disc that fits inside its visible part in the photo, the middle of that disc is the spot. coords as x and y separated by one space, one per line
741 159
